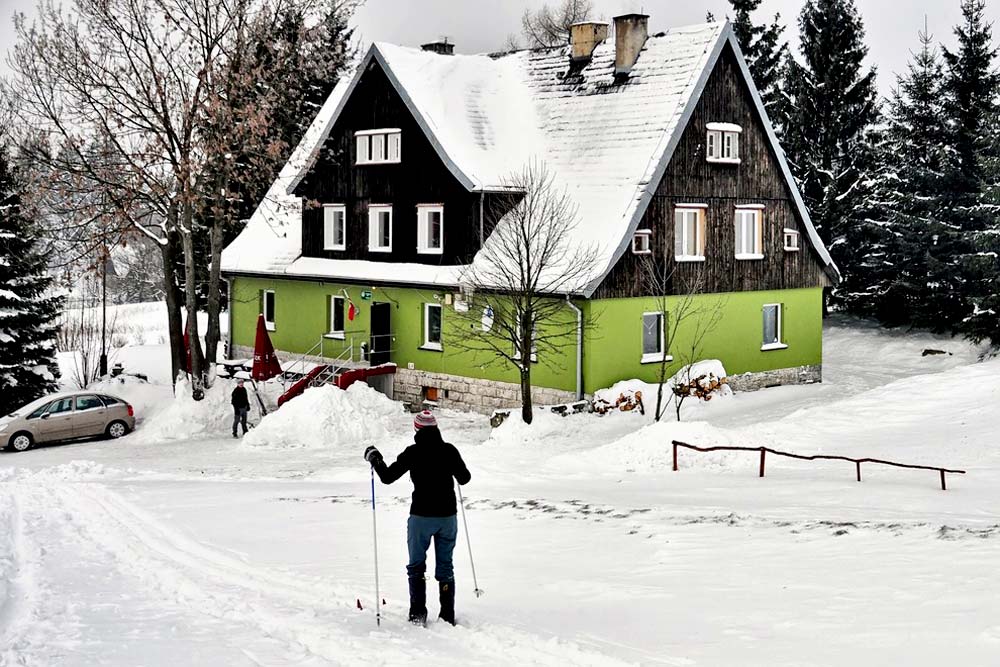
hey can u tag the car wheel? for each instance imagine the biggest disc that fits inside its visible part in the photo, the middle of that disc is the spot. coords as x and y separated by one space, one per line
21 442
116 429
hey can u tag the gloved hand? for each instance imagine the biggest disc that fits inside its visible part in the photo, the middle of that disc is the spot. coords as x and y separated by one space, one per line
373 456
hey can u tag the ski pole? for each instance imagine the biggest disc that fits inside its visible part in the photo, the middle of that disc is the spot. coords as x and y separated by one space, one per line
378 596
472 562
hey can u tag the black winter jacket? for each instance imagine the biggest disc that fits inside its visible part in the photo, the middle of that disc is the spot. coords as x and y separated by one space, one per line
240 398
432 463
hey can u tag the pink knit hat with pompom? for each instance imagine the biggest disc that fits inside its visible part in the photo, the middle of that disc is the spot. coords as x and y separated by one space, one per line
425 418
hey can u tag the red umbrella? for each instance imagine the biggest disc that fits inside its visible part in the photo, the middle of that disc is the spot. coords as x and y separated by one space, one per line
265 362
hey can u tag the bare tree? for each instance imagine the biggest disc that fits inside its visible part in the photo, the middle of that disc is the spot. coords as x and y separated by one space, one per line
520 282
688 318
80 332
549 26
178 98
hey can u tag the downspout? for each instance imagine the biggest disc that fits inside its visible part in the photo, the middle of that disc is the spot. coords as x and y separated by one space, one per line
482 196
579 347
229 318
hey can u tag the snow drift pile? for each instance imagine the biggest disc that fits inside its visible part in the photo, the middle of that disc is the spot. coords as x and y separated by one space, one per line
184 418
328 417
703 379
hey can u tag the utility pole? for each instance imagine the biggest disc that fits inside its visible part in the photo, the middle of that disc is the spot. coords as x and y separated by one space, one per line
104 305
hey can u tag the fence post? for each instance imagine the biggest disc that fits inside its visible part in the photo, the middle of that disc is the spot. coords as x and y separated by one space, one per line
762 453
943 487
858 464
675 457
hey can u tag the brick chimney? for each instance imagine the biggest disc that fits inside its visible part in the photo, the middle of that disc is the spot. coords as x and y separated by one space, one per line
441 46
584 38
631 31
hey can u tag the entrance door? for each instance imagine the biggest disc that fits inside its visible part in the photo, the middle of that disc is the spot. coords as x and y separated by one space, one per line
381 342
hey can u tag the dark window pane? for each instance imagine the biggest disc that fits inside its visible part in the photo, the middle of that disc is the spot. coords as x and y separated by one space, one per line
770 325
88 402
338 314
651 328
64 405
434 324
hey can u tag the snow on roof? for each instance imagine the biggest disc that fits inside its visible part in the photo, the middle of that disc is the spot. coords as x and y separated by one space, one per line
605 141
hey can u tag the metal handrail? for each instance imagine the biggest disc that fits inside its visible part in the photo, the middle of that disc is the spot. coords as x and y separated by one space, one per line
817 457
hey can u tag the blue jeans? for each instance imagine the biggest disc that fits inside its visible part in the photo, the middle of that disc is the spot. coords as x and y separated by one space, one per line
419 531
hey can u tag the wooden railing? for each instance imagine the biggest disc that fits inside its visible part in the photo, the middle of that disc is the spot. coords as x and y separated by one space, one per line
818 457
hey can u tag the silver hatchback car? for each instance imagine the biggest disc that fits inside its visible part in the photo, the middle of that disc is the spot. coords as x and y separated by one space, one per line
66 417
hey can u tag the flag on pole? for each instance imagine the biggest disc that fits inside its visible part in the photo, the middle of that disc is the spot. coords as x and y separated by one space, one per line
265 362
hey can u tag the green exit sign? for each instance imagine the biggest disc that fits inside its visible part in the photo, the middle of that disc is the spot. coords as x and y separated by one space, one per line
366 295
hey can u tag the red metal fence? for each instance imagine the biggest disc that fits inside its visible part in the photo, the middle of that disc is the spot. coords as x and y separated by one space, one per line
818 457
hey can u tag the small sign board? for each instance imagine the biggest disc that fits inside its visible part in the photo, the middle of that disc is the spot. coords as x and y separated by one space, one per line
366 295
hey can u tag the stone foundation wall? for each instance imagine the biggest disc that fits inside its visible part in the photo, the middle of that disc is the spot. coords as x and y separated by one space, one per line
470 394
782 376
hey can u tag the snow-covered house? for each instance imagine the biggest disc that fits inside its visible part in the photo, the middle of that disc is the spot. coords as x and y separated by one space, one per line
359 247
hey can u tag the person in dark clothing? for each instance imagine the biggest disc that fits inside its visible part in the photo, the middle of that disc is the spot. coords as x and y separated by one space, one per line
241 407
432 464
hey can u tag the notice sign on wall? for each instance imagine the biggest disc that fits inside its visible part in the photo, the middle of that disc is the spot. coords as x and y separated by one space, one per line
366 295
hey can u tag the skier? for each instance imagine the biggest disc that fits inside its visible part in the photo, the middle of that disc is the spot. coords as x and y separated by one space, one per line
241 406
432 463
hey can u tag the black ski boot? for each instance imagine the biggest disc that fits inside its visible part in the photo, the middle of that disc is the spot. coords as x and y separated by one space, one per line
447 589
418 601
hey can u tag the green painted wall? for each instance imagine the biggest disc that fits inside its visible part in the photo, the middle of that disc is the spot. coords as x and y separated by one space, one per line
612 342
613 346
301 319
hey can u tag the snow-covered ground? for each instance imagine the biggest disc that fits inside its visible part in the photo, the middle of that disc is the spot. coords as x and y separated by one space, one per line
178 545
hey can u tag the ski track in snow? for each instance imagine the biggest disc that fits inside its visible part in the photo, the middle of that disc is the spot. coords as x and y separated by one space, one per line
273 616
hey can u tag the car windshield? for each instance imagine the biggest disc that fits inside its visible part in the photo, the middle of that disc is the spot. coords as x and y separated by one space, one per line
32 407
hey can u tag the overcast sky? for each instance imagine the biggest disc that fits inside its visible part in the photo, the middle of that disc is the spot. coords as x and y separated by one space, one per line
483 25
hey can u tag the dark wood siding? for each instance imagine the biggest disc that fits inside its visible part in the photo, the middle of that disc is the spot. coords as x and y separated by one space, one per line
690 178
420 178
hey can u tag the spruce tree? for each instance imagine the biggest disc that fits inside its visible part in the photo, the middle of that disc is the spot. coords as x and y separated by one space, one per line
902 273
972 87
831 106
28 310
764 51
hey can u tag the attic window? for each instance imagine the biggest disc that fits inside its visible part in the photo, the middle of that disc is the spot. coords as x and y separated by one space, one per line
791 240
378 146
641 242
722 144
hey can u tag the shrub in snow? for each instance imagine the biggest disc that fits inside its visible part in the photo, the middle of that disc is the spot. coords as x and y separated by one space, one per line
328 417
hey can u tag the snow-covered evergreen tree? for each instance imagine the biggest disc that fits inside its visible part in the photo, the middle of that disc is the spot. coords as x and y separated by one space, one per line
832 104
904 272
972 88
28 310
764 50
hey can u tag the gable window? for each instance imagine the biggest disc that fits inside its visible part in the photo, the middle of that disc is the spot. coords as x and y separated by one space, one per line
749 232
430 229
791 240
689 233
432 326
722 143
267 308
334 228
379 228
336 317
654 349
642 242
772 327
378 146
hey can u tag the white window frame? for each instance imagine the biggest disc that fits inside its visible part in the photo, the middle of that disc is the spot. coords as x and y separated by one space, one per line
424 212
382 146
663 354
792 240
329 226
642 242
701 229
534 345
269 324
374 237
333 300
722 143
757 213
428 343
779 344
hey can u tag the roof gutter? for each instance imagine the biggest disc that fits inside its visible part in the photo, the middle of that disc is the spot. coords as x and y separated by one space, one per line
579 347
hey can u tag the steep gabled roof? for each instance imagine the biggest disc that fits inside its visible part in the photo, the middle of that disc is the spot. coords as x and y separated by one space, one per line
605 141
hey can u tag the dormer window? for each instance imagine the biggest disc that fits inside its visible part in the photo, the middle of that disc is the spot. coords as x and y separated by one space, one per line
378 146
641 242
723 143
